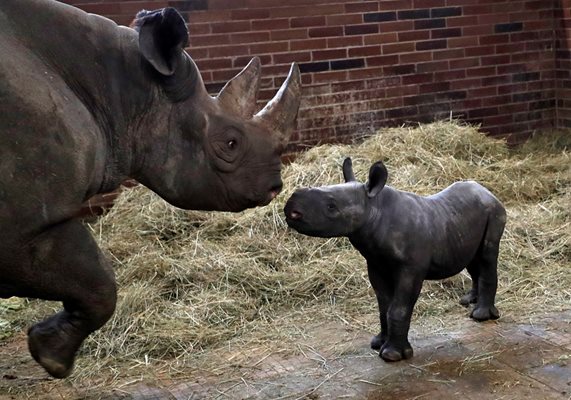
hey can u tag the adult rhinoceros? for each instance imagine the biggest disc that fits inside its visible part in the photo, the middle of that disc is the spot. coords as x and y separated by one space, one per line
84 104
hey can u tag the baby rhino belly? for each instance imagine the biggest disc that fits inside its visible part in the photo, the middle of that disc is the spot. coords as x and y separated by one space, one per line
457 249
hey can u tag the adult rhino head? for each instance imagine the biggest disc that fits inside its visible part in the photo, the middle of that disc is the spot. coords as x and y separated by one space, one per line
86 107
210 153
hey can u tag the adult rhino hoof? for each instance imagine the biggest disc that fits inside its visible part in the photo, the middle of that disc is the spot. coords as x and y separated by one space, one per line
377 342
392 354
52 349
485 313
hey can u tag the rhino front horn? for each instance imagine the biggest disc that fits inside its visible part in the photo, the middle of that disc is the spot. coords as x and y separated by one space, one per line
241 92
281 112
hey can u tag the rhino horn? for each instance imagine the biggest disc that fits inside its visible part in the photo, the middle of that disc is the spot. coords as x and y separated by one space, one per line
241 92
281 112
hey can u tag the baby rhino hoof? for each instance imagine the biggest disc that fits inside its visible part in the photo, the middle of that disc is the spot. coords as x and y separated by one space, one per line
485 313
377 342
469 298
391 353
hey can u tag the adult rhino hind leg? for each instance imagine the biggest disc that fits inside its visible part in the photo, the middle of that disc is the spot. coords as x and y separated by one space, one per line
487 284
68 266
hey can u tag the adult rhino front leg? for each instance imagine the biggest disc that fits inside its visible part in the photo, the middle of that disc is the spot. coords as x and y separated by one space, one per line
67 265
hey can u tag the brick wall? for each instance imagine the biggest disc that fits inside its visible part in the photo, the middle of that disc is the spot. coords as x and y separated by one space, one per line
365 64
563 63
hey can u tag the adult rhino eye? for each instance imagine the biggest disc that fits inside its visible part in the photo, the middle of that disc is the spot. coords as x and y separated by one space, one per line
232 144
331 207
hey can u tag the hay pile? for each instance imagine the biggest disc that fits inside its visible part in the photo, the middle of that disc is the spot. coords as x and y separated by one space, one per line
192 282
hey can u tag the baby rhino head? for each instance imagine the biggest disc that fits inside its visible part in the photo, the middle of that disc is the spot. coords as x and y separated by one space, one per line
335 210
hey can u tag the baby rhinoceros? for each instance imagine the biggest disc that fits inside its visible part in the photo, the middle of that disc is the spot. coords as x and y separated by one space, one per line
406 239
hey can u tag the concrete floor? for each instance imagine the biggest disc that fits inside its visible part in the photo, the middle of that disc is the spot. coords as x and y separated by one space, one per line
492 360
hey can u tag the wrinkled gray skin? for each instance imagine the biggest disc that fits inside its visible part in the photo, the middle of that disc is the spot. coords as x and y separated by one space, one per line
406 239
84 104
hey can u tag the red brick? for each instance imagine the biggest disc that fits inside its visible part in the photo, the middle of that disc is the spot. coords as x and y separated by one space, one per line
398 48
209 40
361 7
466 83
479 51
318 55
449 75
413 36
272 47
428 3
250 14
302 11
382 60
396 26
326 31
291 57
454 22
381 38
365 51
465 63
250 37
231 26
308 44
390 5
415 57
210 16
344 19
435 87
270 24
347 41
463 42
478 30
432 66
482 71
300 22
448 54
289 34
417 78
214 63
332 76
400 91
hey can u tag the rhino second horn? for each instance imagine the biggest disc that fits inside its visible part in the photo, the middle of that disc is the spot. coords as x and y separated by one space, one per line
281 112
240 94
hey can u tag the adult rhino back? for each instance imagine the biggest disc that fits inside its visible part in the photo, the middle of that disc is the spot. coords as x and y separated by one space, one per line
85 104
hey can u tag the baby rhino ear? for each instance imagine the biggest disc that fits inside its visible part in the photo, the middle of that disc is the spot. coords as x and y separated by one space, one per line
348 174
377 178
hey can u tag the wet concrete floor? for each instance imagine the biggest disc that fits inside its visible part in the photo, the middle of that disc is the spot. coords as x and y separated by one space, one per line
492 360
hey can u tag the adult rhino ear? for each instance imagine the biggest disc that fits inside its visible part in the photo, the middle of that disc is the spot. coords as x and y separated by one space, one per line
377 178
348 174
162 37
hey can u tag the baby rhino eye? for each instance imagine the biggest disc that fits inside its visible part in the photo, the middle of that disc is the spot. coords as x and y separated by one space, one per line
331 207
232 144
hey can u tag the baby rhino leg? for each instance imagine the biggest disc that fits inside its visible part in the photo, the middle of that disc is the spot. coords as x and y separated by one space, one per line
488 269
397 346
472 296
384 293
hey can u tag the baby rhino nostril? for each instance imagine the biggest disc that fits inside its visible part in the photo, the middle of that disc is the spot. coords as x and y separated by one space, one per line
295 214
